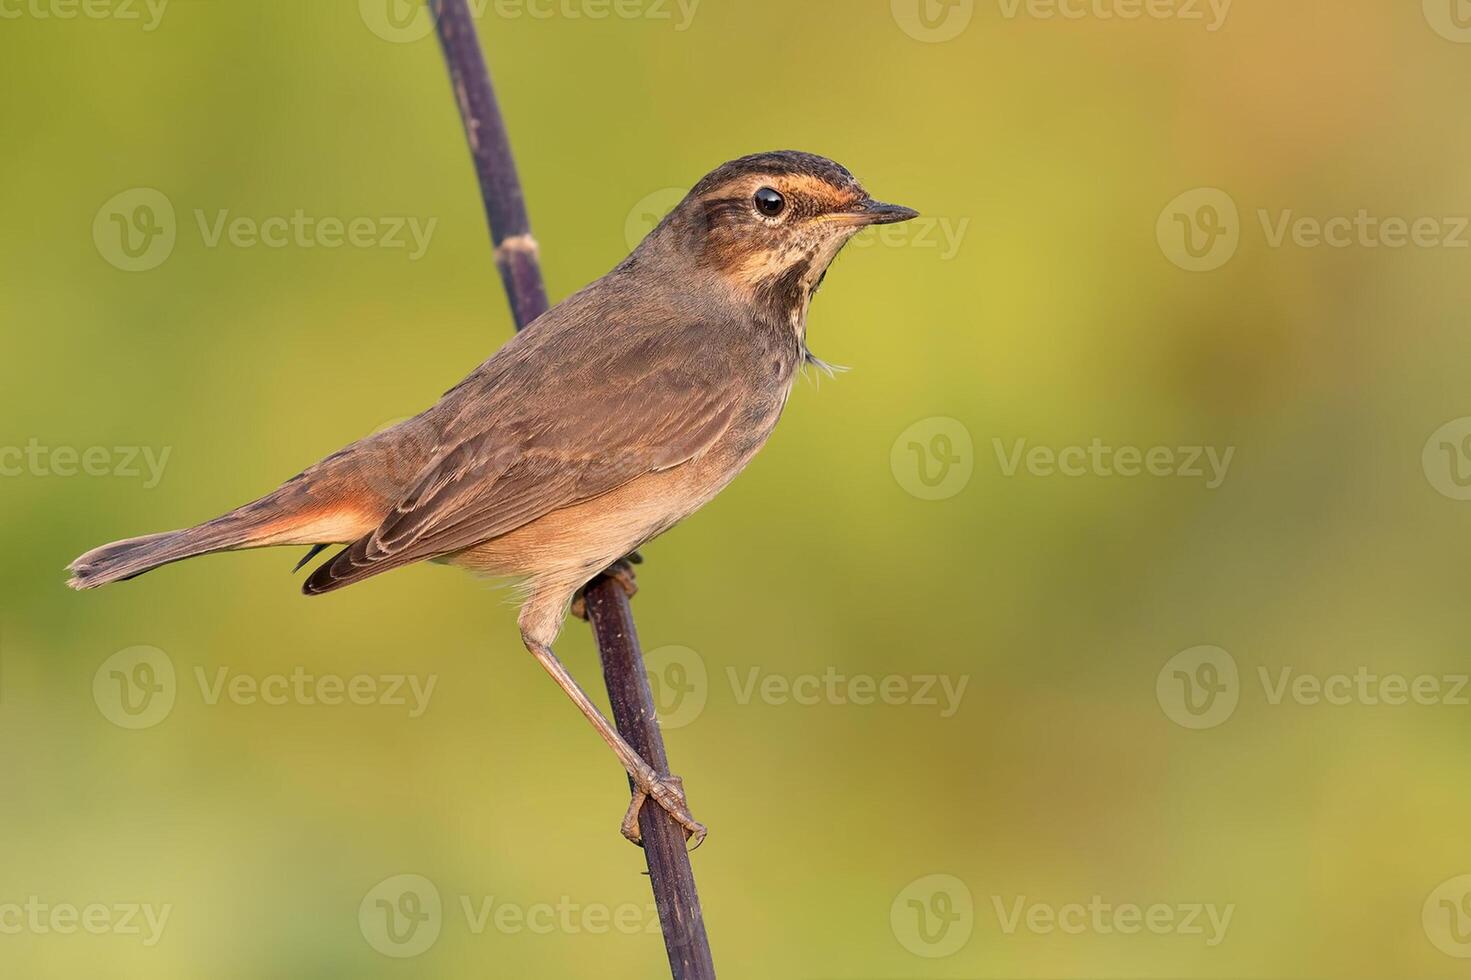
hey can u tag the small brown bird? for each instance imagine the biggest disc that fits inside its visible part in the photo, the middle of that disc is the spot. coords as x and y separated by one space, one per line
604 423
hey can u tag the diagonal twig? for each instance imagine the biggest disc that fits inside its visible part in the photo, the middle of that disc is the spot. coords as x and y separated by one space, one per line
670 874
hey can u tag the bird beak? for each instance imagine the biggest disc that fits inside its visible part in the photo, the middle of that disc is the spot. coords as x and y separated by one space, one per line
871 212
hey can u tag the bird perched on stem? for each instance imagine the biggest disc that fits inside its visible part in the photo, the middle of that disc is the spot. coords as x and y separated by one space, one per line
604 423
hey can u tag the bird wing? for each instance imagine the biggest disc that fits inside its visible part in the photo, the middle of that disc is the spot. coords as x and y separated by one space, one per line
540 432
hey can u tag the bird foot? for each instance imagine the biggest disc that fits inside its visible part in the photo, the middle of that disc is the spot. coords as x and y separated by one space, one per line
621 571
668 792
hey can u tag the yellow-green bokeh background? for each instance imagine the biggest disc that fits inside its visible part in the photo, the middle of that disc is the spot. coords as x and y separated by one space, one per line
1059 319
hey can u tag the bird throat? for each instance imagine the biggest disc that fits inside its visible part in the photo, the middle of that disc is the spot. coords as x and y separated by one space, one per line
785 296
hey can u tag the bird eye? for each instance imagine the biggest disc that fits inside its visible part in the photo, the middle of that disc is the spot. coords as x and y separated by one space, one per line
769 202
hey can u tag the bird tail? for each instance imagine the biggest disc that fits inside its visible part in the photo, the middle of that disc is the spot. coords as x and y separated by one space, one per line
297 513
331 503
127 559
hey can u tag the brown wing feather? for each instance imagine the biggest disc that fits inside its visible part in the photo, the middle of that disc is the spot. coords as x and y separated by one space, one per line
534 431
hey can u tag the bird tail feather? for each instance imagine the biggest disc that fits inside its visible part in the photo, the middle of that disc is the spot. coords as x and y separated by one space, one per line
122 560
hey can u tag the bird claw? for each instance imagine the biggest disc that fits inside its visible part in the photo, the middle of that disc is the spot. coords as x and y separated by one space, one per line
621 571
668 792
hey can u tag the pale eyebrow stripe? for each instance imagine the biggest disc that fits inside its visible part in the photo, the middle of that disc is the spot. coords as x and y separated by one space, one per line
803 183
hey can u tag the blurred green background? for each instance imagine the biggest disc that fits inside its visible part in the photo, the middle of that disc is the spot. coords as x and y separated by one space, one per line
883 542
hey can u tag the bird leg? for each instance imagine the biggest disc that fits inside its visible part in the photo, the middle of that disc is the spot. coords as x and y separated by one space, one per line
621 571
667 791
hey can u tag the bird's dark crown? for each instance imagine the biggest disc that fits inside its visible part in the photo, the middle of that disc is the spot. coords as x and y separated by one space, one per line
778 163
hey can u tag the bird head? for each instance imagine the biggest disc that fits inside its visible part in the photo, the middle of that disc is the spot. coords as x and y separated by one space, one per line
768 226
